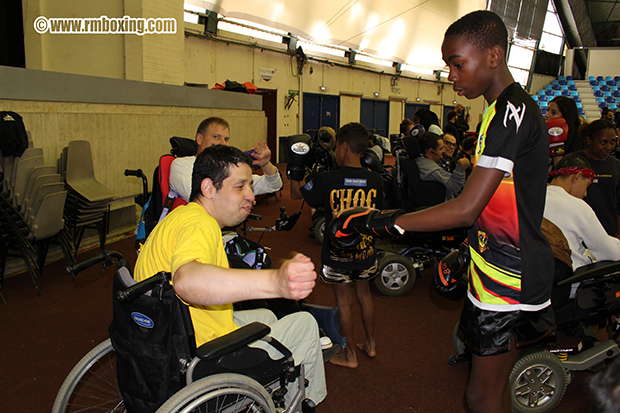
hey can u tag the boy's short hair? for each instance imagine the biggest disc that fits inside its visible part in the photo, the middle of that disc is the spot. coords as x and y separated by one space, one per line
214 163
483 29
451 114
428 140
205 124
573 159
355 135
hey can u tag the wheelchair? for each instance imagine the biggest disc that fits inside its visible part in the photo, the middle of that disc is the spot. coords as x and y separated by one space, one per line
150 362
589 297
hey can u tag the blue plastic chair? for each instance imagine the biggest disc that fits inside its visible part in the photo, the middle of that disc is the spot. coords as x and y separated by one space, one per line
616 93
595 88
607 94
555 82
569 78
572 87
579 104
598 93
563 87
565 92
542 98
542 92
591 78
570 82
617 79
562 82
581 111
613 88
593 83
561 77
608 78
605 88
613 106
548 87
600 78
600 99
610 99
543 104
549 93
535 98
557 93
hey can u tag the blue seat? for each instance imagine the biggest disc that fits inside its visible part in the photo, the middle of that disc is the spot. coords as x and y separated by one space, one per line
598 93
602 83
542 92
610 99
602 105
581 111
565 92
613 106
617 79
616 93
600 78
543 111
548 87
562 82
542 98
555 82
607 94
570 78
570 82
574 93
591 78
618 99
543 104
608 78
561 77
600 99
557 93
593 83
605 88
535 98
579 104
563 87
572 87
613 88
549 93
577 99
595 88
555 87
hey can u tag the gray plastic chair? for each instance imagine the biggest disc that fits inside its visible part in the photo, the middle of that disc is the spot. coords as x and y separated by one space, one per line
31 191
43 191
81 173
48 221
21 177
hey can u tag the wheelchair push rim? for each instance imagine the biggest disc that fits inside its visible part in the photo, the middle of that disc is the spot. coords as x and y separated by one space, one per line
219 393
91 385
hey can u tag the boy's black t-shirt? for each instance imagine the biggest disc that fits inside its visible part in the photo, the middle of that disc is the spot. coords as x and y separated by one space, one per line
604 193
512 263
341 189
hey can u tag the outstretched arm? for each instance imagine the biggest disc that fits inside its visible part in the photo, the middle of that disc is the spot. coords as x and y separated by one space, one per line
206 284
459 212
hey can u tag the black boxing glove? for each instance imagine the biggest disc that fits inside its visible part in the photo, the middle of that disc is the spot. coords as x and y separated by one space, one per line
346 227
450 279
298 156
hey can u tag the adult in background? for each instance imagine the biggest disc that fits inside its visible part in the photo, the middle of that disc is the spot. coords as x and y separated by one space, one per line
563 107
462 119
451 127
604 195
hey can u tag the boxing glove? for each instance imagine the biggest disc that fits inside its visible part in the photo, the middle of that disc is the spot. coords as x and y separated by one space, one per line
450 279
326 137
346 227
417 130
558 131
371 161
298 155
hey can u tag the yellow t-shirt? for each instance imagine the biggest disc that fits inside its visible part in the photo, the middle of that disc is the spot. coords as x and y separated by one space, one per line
188 234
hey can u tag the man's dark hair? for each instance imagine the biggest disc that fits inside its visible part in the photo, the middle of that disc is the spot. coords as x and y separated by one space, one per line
483 29
572 159
214 163
469 143
428 140
355 135
605 111
426 118
405 125
205 124
452 114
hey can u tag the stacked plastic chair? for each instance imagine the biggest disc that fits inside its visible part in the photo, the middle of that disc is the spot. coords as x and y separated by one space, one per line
88 200
32 204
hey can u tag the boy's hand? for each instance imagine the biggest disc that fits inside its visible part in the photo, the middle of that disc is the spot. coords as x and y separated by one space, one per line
345 228
296 278
464 162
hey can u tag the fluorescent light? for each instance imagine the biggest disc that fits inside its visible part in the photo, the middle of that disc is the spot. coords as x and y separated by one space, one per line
375 60
415 69
247 31
321 49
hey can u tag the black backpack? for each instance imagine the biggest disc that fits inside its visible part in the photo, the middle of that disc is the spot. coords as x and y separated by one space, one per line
13 137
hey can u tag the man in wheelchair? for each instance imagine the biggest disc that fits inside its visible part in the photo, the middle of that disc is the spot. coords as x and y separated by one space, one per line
188 244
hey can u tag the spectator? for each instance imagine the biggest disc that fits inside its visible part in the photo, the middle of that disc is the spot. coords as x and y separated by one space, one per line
405 127
215 131
566 209
447 162
607 114
451 127
188 244
462 120
432 148
604 195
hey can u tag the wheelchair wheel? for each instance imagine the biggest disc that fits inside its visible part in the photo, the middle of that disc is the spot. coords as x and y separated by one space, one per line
319 229
538 382
395 275
91 386
227 392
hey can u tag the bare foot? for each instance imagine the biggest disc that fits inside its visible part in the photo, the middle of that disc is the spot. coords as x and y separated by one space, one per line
368 348
341 359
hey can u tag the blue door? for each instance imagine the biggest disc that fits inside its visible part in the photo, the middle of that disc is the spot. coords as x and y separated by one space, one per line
320 110
374 114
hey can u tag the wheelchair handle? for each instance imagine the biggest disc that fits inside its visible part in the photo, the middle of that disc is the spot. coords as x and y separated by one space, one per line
105 256
134 172
143 286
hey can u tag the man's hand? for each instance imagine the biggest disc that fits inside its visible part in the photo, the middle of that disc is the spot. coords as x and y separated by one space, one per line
345 228
262 154
296 278
464 162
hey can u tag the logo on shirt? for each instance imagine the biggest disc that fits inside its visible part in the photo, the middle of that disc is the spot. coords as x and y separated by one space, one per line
512 112
308 186
354 182
482 241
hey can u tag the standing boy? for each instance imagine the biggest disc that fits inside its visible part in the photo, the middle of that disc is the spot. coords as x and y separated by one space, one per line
511 268
347 187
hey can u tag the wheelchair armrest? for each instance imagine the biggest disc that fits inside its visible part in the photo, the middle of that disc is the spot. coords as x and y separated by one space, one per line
232 341
592 271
